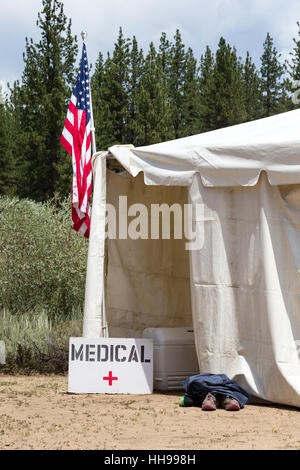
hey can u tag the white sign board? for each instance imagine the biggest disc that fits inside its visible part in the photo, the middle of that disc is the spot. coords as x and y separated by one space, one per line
110 365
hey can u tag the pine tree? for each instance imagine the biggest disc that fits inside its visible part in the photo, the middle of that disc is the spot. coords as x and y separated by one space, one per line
253 96
164 57
176 83
153 115
295 57
293 79
4 146
114 95
40 104
99 106
272 84
206 90
191 115
227 92
8 149
164 53
136 70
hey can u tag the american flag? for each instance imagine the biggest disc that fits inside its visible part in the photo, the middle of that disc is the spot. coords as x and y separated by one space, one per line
76 139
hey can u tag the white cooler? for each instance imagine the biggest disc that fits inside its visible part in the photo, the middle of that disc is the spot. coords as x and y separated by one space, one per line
174 356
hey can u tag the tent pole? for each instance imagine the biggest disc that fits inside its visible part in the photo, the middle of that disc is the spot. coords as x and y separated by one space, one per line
94 150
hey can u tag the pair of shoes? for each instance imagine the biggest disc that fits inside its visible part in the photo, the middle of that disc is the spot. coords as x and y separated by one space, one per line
230 404
209 403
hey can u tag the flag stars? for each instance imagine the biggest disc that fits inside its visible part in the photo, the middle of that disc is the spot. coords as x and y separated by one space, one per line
82 90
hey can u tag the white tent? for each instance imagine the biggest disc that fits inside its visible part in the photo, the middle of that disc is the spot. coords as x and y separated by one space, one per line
241 289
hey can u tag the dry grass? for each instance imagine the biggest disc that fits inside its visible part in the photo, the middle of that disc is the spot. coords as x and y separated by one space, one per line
36 412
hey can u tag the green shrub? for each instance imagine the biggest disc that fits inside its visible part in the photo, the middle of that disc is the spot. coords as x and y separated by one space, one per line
42 259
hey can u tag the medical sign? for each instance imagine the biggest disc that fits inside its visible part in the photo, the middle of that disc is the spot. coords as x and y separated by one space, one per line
110 365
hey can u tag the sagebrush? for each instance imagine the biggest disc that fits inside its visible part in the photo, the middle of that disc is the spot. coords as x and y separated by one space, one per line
42 259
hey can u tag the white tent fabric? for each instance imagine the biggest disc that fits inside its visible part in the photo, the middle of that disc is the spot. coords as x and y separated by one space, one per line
245 287
147 281
244 281
234 156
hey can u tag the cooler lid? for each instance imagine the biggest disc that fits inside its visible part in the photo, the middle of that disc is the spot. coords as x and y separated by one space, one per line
182 335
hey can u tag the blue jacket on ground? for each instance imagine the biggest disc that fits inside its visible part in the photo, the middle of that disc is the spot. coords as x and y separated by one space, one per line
198 386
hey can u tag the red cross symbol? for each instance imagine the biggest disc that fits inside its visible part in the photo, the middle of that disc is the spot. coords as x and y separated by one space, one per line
110 378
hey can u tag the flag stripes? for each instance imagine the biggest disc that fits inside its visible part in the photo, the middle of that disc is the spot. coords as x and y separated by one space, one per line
76 139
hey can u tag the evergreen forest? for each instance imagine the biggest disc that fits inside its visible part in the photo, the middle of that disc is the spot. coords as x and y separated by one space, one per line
139 97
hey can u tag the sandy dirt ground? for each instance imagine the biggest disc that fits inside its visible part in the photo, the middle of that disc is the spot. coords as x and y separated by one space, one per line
37 412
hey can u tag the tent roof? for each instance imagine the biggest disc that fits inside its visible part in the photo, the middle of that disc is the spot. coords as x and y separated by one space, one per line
233 156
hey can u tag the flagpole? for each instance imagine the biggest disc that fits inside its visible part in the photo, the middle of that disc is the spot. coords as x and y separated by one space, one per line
104 326
84 36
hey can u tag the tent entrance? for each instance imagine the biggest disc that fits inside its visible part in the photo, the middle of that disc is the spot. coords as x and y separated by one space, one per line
147 280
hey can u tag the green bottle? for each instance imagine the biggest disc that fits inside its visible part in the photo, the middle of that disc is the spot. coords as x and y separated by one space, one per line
185 401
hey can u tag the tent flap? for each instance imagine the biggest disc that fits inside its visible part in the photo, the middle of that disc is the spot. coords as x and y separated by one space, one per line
245 288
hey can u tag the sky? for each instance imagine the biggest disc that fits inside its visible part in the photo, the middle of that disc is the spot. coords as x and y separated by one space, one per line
243 23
